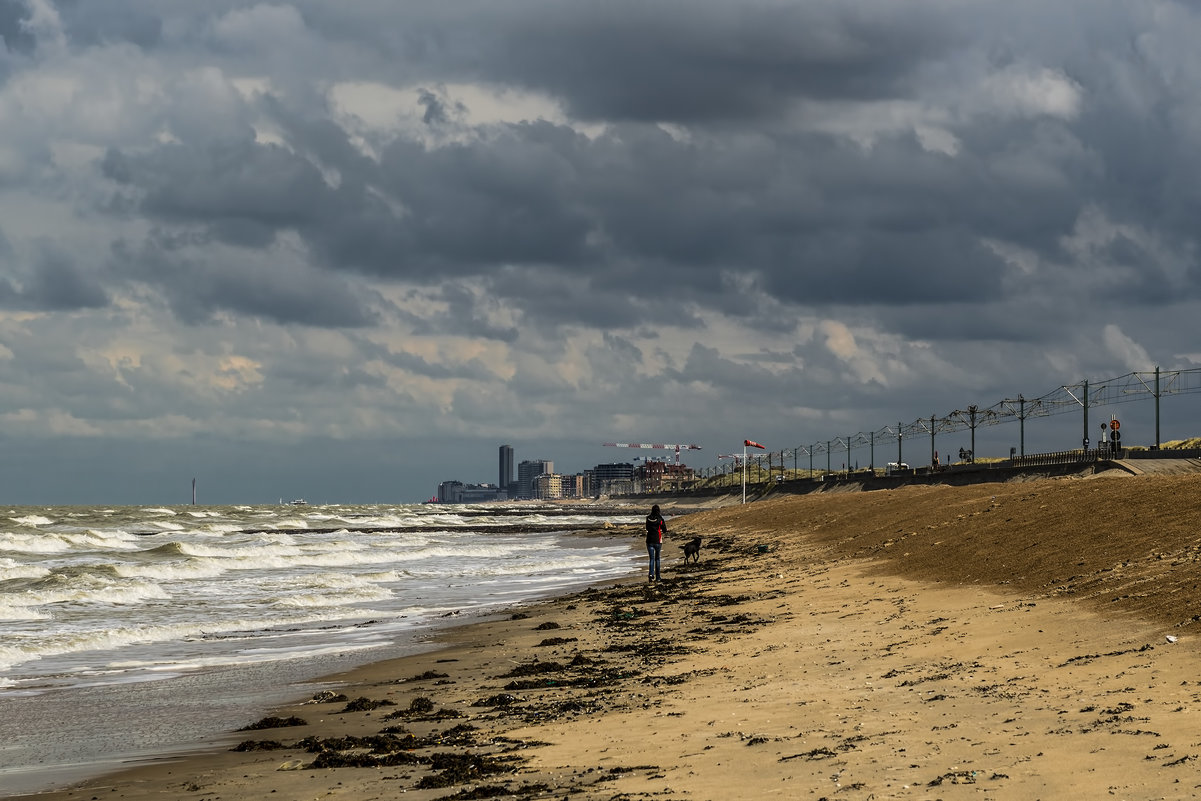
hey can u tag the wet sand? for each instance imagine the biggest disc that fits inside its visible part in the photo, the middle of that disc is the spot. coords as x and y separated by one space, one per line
919 643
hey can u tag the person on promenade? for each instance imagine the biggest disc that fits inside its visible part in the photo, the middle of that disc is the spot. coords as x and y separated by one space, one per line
656 530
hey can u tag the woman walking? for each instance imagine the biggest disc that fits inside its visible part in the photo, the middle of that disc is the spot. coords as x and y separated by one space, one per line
656 530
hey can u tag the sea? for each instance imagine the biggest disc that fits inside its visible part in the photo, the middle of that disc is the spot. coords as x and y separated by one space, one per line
132 633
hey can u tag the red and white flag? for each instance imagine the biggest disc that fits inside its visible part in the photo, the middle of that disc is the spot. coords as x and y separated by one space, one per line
750 443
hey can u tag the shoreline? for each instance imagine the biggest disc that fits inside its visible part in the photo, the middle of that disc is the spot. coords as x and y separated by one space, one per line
75 735
809 650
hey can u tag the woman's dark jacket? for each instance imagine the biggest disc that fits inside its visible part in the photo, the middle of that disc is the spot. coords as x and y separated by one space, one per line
655 524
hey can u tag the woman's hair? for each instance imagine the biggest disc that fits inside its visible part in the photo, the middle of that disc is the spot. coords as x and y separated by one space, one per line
655 510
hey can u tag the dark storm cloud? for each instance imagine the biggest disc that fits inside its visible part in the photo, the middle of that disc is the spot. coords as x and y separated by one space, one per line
677 60
863 213
196 290
54 282
695 62
13 31
242 191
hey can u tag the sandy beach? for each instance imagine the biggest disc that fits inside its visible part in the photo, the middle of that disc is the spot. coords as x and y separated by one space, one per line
1025 640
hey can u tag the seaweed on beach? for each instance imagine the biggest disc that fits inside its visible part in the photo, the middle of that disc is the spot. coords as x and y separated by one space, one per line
650 650
275 723
390 741
376 744
535 668
454 768
462 734
259 745
590 679
422 708
556 641
358 759
496 791
364 704
498 700
427 676
421 704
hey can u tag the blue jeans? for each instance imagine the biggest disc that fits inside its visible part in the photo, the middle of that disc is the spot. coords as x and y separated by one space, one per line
653 551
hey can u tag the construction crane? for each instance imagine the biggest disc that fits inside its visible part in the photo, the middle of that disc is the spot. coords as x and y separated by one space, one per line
655 445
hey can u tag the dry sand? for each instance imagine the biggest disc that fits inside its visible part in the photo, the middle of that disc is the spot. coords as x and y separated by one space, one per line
1014 641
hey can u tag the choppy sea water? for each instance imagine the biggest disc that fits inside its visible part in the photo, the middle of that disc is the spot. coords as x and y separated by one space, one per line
127 633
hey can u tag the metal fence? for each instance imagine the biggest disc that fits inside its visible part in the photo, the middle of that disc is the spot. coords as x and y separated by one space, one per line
1081 397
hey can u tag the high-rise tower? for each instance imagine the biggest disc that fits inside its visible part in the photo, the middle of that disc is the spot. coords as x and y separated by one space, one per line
506 468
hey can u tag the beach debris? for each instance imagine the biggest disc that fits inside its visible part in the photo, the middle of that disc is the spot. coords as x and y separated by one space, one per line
358 759
259 745
461 768
816 753
421 704
557 641
547 626
325 697
292 764
501 791
275 723
1170 638
364 704
535 668
954 777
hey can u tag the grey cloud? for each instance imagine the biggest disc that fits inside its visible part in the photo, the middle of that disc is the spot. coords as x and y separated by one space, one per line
472 369
466 315
810 217
13 32
53 282
674 60
693 62
244 192
90 23
198 288
58 284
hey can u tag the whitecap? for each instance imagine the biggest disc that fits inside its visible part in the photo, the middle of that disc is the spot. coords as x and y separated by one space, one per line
32 520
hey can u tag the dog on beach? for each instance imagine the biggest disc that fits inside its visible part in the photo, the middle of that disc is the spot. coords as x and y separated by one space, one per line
693 548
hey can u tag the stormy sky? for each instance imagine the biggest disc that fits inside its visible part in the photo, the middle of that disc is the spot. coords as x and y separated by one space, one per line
345 250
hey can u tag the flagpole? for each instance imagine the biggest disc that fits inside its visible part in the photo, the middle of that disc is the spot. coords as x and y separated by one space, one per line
744 471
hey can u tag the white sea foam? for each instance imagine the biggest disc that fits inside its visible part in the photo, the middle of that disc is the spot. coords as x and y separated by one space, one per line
334 597
12 612
167 589
18 542
173 571
32 520
12 569
91 589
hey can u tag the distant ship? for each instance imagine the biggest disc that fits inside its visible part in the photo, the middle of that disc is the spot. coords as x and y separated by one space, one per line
298 502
